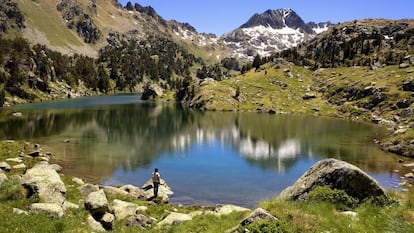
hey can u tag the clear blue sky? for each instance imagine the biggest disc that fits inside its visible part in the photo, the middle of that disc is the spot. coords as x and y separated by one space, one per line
221 16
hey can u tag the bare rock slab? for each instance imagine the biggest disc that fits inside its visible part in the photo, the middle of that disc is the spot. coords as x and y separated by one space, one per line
175 218
47 208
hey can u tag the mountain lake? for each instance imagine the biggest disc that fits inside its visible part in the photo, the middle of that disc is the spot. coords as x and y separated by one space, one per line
206 158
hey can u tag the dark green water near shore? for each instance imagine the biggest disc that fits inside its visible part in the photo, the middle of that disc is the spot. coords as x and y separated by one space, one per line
206 157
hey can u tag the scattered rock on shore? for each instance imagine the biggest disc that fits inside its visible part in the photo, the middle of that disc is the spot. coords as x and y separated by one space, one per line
123 209
45 181
257 215
47 208
97 203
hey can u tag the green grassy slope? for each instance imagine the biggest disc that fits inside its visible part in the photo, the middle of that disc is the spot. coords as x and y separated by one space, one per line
45 25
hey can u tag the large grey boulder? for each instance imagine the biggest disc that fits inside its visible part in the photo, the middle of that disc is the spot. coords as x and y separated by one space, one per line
45 181
337 175
97 203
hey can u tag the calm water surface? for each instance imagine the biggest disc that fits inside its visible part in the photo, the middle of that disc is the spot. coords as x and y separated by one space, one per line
206 157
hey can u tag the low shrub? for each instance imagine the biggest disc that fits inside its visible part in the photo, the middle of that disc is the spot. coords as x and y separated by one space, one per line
12 190
268 227
339 198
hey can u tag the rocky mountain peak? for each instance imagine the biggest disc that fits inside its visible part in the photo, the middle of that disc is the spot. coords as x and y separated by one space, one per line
278 19
271 31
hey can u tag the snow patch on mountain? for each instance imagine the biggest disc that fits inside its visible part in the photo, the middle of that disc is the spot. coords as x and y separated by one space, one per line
262 40
320 29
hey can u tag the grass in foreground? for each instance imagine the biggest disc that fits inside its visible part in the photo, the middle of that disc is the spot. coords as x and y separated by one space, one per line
317 216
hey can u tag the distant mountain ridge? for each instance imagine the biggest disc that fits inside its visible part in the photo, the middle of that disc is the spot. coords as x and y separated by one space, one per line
271 32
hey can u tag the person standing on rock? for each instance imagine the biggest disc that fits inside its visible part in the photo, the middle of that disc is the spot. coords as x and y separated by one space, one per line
156 181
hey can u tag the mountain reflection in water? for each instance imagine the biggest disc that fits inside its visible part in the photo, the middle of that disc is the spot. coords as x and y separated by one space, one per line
206 157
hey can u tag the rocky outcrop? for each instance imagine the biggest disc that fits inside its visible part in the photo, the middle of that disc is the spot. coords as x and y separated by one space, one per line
10 16
337 175
43 180
164 191
278 19
73 13
369 42
270 32
152 91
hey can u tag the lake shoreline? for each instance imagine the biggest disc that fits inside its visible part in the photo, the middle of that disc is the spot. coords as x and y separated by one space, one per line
168 215
393 143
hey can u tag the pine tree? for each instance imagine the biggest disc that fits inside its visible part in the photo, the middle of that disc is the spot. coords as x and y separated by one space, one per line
257 62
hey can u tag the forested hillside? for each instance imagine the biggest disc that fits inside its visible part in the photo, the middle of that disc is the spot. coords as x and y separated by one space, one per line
31 73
